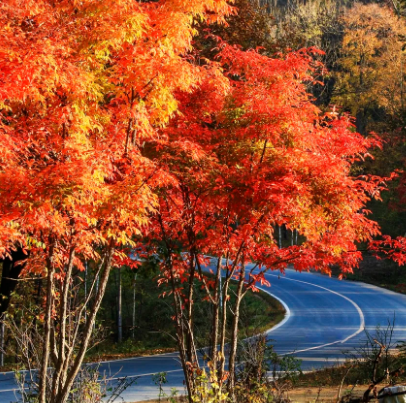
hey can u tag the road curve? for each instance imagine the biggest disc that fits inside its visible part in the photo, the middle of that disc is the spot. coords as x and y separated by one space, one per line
325 316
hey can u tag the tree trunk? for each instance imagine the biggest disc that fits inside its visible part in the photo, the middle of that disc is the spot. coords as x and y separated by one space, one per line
63 316
191 352
85 284
216 314
134 294
119 309
234 334
97 290
47 329
182 324
65 389
223 327
180 337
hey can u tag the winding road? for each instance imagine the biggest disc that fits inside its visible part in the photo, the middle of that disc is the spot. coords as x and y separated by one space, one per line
325 316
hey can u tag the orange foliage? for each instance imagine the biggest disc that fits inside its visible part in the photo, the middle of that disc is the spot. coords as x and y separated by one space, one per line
82 85
261 155
87 90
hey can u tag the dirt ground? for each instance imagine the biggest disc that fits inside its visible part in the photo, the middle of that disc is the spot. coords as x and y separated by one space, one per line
308 394
312 394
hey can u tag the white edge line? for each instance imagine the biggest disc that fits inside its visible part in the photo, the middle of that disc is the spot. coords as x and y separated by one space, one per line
106 362
109 379
287 311
360 313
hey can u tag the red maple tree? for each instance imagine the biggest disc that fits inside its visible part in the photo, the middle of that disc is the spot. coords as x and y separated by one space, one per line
247 155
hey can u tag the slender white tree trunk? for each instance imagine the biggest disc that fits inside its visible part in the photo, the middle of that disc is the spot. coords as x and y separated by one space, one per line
119 307
43 374
85 281
234 335
134 286
73 369
97 290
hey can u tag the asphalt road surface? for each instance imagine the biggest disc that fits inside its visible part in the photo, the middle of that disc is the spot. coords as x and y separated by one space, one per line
325 317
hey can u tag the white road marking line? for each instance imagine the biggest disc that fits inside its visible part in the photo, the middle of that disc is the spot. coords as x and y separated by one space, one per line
360 313
112 378
141 375
287 311
174 353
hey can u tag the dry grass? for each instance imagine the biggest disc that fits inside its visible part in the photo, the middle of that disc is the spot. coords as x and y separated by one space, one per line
302 395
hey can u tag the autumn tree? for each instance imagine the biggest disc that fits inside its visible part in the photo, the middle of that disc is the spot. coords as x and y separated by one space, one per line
370 80
82 86
259 155
313 23
250 27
